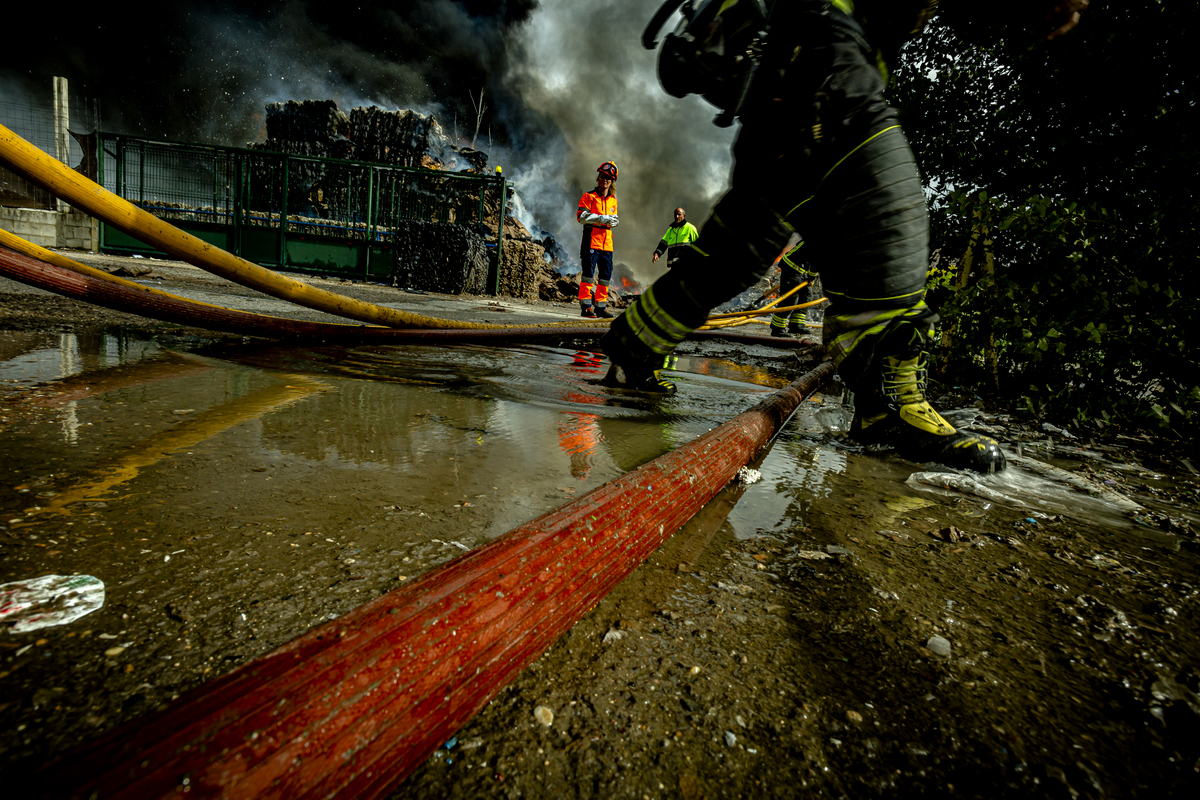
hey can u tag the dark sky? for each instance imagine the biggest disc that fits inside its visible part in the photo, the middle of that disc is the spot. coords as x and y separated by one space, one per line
567 86
203 71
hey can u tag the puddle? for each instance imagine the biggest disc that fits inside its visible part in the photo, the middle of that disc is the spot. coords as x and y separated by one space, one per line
230 498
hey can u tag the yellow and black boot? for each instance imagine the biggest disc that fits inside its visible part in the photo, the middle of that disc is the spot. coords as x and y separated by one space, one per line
636 366
632 379
896 413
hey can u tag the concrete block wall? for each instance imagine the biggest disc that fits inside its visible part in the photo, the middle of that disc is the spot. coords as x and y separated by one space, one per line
64 227
61 229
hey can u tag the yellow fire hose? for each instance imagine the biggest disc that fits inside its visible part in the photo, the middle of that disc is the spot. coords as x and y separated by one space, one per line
735 318
63 182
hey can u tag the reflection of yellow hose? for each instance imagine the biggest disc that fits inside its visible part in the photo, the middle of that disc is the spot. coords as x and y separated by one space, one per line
203 426
63 182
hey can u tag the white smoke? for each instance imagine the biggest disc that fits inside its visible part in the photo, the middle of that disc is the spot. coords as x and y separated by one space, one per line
582 67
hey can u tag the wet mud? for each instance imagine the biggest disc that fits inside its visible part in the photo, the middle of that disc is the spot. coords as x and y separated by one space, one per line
846 626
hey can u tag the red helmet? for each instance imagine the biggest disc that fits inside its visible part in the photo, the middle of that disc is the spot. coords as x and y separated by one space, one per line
608 169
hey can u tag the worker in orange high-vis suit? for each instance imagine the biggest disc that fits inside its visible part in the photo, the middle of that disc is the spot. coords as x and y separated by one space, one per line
598 215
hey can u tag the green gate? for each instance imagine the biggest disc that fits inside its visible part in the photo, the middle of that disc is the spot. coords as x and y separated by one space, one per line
289 212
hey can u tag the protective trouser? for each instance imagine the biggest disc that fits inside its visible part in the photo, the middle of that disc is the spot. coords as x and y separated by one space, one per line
592 284
852 191
792 273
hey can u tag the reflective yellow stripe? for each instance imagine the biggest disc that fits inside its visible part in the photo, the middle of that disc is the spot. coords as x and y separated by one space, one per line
846 6
802 202
665 320
646 314
870 299
860 146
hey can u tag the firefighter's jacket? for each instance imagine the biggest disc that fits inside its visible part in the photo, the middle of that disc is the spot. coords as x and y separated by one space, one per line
598 215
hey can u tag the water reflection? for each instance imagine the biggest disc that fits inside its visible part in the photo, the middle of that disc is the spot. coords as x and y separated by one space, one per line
533 425
506 433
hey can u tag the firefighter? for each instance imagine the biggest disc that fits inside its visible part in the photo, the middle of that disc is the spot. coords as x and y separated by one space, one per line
680 232
792 272
598 215
853 191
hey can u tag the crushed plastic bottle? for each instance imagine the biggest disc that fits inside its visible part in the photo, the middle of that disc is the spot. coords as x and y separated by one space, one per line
49 600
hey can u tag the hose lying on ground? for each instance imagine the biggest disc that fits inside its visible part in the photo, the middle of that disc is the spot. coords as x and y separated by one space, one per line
81 282
350 708
736 318
112 293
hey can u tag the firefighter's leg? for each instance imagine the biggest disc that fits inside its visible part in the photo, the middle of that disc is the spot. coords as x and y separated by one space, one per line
604 270
587 282
789 279
870 221
796 325
736 247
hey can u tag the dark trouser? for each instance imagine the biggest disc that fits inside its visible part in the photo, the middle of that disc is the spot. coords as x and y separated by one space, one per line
791 275
848 184
593 285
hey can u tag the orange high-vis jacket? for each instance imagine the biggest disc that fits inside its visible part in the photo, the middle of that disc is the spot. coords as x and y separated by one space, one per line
601 238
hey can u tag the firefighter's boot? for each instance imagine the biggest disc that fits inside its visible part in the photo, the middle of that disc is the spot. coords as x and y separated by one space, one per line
632 379
634 367
895 412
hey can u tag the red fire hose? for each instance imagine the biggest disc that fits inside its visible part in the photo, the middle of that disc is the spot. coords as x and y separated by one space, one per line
349 709
162 306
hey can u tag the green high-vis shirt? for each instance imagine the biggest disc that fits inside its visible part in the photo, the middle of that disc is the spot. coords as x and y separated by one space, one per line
676 235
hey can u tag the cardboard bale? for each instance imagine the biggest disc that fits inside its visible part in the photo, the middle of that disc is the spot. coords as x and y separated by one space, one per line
521 268
439 257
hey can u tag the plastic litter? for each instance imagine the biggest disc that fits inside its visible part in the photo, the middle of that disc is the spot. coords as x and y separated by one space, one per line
748 476
49 600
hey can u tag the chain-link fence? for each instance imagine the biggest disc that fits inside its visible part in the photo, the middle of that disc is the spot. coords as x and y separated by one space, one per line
31 116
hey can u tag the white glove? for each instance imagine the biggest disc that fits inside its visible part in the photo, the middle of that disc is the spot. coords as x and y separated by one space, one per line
611 220
588 218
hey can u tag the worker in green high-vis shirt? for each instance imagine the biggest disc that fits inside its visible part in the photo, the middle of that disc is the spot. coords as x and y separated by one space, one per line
681 232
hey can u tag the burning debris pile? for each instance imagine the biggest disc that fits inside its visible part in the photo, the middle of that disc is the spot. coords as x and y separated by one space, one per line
311 128
410 139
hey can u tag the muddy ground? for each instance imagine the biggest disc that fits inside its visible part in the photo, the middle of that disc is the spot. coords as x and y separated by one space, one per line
885 642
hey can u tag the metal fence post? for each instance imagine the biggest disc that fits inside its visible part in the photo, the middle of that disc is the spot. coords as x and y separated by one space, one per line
283 214
494 277
238 204
369 222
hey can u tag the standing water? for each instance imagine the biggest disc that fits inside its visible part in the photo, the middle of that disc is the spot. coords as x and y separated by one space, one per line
231 497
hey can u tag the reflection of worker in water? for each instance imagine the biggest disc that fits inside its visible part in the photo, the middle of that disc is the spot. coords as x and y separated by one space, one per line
626 439
579 432
681 232
598 215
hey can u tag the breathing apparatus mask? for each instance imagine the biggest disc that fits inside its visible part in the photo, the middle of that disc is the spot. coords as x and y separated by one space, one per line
713 52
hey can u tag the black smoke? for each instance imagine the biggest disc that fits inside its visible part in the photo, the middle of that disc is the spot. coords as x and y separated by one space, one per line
566 86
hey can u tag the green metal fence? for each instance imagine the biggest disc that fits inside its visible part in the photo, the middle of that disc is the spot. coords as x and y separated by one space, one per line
293 212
